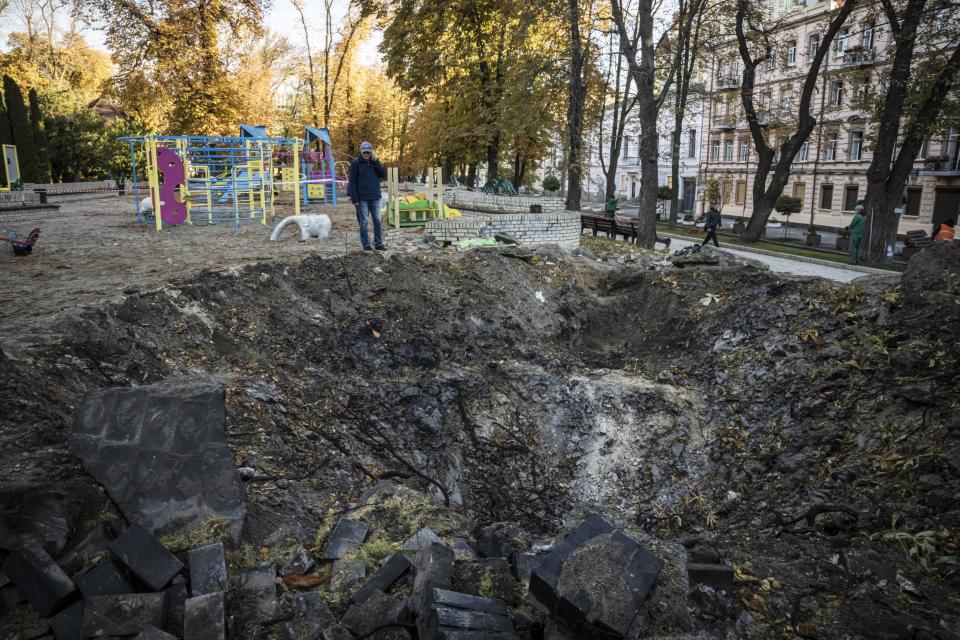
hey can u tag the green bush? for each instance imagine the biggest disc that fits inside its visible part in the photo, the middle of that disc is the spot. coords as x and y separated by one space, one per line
788 205
664 193
551 183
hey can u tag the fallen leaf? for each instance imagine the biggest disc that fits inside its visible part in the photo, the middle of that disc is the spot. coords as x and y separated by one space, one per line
376 334
305 582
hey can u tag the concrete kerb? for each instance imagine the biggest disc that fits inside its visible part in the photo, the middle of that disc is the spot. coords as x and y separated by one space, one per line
789 256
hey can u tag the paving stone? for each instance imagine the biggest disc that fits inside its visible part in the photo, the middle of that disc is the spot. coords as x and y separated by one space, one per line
596 578
457 600
421 539
103 579
718 576
203 618
66 625
394 568
46 516
336 632
347 575
176 598
208 569
120 615
447 633
153 633
462 550
433 570
297 564
161 453
311 616
378 610
257 595
95 543
499 540
391 633
41 580
146 558
523 564
346 538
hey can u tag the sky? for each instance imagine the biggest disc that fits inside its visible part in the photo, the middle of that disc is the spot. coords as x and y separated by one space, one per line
281 17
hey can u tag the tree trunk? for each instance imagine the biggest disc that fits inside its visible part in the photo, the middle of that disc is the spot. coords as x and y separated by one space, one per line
577 96
493 152
471 173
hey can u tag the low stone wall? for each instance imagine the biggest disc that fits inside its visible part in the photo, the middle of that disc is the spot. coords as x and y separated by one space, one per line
530 229
486 203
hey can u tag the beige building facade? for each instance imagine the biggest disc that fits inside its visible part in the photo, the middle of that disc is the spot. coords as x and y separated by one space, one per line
829 173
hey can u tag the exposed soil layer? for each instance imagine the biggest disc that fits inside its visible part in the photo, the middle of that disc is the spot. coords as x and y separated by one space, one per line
807 432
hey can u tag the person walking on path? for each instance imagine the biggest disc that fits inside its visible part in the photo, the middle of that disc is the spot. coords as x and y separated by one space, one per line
363 187
856 228
711 224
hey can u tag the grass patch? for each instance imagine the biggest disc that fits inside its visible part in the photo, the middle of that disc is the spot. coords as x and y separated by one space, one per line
210 530
601 244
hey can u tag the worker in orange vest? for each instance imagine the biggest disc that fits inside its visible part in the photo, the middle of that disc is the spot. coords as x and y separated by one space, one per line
945 231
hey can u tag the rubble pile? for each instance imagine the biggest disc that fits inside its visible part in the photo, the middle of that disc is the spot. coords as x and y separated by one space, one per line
495 445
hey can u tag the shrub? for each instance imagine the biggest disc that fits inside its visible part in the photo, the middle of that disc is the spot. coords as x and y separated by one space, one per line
551 183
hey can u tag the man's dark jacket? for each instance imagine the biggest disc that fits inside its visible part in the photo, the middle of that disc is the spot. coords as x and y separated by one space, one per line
713 219
365 177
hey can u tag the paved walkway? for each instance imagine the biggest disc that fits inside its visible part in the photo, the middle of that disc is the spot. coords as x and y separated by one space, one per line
784 265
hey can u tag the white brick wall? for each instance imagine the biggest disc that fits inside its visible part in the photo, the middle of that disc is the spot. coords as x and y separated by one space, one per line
532 229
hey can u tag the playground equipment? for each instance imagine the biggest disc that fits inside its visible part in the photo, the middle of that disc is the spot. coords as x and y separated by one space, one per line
22 247
11 168
311 226
412 211
208 179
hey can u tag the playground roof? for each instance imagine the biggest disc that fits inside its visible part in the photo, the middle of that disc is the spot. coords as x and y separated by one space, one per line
253 131
313 133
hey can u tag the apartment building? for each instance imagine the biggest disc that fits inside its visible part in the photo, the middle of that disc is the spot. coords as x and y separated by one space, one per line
829 173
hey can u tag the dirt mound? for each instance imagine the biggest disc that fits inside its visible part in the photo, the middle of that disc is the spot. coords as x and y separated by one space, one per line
805 432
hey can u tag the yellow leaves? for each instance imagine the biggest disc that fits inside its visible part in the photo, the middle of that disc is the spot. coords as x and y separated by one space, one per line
813 304
709 299
810 335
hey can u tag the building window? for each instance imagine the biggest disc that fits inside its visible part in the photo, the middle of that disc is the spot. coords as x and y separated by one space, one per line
850 193
842 35
741 192
856 145
715 150
913 201
800 191
813 43
727 190
692 143
791 51
744 153
866 39
626 147
831 147
804 154
836 93
728 151
860 90
826 196
922 153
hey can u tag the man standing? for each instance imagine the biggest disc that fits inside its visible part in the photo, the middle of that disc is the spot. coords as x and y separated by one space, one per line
363 186
711 224
856 227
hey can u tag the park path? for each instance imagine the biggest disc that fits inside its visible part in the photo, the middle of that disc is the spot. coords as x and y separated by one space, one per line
784 265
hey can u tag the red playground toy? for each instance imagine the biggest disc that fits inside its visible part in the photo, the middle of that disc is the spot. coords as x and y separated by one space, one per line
22 247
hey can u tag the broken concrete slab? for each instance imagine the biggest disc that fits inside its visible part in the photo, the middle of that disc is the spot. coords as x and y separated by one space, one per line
41 580
146 558
394 568
122 615
433 570
43 515
346 538
208 569
95 543
66 625
161 453
257 595
153 633
203 618
103 579
487 577
297 564
421 539
718 576
596 579
311 616
377 611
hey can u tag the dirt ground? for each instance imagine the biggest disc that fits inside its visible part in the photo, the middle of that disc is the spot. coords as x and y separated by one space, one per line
92 249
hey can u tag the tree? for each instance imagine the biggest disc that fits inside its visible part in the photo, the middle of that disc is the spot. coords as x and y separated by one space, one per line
550 183
620 108
38 130
576 98
20 131
755 43
5 136
924 69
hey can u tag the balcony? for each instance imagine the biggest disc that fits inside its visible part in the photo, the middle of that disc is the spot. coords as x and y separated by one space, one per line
728 82
768 119
724 123
945 167
858 57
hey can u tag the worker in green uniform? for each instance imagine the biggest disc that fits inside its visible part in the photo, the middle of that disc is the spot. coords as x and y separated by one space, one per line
856 228
611 208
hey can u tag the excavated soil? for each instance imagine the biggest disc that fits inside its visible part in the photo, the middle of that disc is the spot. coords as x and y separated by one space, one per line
807 432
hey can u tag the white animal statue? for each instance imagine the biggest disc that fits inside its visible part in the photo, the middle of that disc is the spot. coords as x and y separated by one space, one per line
311 226
146 205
